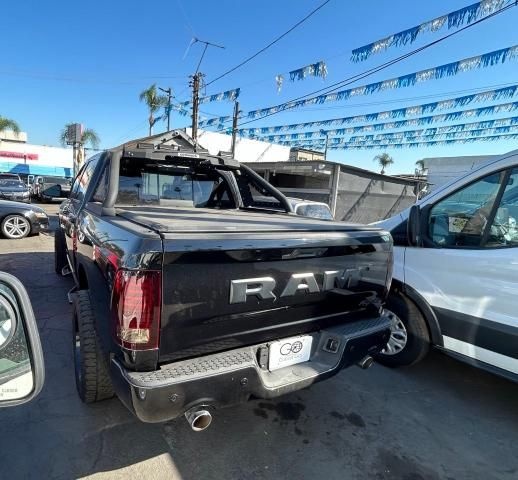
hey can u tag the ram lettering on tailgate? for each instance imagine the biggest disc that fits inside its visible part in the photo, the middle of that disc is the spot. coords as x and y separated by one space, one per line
263 287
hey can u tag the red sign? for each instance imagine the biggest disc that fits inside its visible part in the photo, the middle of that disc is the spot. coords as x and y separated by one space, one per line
22 156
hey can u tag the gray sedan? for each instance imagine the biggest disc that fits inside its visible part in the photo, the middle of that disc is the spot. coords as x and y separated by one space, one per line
17 220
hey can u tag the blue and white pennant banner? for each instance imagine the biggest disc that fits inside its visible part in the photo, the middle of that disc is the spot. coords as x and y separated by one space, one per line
417 138
450 69
431 136
455 19
431 132
488 95
229 95
415 122
420 144
461 131
435 143
318 69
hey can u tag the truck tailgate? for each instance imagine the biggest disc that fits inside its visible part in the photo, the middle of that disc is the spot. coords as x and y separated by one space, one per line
199 316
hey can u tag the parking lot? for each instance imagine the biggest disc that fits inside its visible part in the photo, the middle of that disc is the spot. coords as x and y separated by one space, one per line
437 420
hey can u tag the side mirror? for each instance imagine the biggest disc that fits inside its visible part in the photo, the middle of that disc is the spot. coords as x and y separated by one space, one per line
414 226
22 371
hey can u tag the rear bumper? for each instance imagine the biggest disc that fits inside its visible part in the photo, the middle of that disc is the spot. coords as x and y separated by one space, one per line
234 376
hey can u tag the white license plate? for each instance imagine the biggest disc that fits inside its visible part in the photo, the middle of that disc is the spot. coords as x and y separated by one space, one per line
289 351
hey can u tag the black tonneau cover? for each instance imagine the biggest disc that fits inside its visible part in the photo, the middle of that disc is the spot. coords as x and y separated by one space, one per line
199 220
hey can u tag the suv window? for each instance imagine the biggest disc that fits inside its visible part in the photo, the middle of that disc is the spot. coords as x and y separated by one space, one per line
82 181
462 219
504 228
102 188
75 185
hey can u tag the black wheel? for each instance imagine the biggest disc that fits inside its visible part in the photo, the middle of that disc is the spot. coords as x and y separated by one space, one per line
409 339
60 254
91 363
15 226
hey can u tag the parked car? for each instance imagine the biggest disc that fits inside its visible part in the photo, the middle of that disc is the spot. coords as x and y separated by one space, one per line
455 283
194 292
17 220
47 189
308 208
14 190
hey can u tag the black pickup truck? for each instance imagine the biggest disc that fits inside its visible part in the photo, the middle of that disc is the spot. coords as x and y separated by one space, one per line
197 287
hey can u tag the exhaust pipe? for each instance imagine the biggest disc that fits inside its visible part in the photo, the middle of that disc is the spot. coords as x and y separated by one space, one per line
198 418
366 362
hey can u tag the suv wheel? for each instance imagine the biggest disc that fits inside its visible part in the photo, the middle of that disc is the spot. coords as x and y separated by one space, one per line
409 338
15 226
60 254
91 363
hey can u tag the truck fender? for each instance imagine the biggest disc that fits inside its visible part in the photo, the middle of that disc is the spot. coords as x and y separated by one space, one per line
424 308
89 275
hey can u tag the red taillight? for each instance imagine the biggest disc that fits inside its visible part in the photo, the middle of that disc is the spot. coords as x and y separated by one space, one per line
136 303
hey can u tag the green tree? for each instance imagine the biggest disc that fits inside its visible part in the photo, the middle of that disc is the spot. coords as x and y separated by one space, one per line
383 160
154 101
420 165
8 124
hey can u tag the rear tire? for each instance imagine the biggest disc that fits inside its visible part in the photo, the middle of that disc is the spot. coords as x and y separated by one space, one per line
407 321
60 254
92 372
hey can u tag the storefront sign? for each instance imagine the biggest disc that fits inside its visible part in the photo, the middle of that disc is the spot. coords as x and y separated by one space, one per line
20 155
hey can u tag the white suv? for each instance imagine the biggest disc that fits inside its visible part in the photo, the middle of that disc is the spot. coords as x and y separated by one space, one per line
455 283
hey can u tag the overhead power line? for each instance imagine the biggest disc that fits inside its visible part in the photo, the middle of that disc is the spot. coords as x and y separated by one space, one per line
273 42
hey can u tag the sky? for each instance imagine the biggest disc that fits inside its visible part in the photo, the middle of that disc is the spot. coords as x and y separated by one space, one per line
88 61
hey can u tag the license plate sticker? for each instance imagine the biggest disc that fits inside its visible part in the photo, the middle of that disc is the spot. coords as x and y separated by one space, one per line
289 351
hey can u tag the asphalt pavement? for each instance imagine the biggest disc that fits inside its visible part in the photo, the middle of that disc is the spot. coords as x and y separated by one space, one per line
440 419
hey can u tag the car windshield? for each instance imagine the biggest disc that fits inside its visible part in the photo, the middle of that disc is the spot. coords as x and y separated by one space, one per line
172 184
167 184
11 184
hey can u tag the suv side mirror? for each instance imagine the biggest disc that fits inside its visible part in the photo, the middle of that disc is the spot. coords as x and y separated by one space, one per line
414 226
22 371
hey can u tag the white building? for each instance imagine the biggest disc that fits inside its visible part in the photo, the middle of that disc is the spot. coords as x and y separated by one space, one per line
441 170
18 156
246 150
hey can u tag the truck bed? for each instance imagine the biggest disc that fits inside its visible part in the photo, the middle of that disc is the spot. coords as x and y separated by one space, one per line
199 220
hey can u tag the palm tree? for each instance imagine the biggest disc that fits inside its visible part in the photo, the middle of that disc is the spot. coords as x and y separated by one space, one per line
89 137
8 124
383 160
153 101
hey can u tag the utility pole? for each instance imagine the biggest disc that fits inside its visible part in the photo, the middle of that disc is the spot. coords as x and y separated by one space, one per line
234 129
169 93
195 105
196 80
326 134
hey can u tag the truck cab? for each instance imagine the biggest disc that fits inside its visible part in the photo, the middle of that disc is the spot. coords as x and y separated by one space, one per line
455 283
